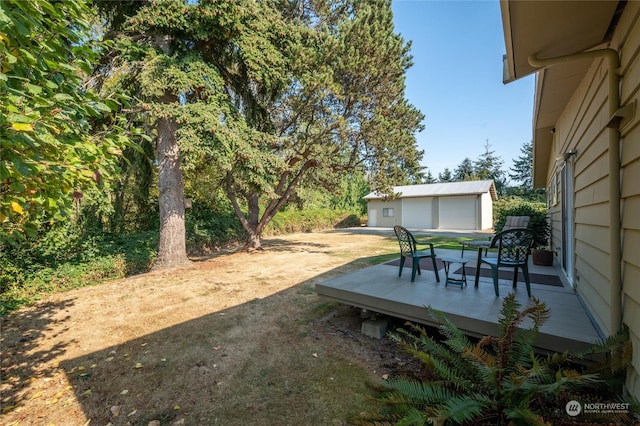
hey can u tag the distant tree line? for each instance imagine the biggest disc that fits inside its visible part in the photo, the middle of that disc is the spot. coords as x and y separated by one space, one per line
517 181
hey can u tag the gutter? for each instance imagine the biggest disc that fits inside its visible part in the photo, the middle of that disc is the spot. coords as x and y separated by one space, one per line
615 224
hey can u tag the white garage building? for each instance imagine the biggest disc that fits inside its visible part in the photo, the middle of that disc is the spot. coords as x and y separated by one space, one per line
453 205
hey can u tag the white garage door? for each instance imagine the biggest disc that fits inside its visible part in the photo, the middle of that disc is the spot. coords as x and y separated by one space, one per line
416 213
458 212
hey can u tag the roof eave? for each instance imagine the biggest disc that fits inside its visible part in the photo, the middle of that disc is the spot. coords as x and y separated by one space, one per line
552 29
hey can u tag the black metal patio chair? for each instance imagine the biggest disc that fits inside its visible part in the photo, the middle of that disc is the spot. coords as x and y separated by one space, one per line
514 246
408 249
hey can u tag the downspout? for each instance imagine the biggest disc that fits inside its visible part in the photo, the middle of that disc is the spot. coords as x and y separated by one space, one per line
615 225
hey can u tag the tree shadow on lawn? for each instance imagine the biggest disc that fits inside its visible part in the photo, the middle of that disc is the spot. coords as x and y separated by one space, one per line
21 343
259 362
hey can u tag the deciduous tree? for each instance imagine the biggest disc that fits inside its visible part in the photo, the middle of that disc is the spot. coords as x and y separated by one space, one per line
57 138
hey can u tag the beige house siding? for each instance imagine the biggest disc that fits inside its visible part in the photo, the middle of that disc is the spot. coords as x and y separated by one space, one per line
628 37
582 127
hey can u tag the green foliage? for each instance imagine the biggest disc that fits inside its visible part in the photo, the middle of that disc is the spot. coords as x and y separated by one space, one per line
347 194
522 174
515 206
522 170
135 195
66 257
465 171
489 166
291 221
57 137
76 253
446 176
500 380
270 98
210 227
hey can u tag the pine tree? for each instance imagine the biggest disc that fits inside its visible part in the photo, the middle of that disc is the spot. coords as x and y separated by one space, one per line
522 170
465 171
445 176
489 166
430 178
271 94
522 174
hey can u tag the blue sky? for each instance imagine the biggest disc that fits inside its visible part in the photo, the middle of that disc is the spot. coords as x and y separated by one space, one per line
456 82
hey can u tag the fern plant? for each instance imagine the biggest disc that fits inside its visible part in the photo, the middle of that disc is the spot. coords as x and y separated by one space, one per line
500 380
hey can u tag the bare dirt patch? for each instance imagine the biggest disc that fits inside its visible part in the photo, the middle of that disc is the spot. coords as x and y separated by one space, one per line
238 338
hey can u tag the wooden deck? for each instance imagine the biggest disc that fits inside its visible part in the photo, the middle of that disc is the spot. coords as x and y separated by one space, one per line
474 310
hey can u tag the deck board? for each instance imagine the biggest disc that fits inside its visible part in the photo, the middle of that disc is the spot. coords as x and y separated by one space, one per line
474 310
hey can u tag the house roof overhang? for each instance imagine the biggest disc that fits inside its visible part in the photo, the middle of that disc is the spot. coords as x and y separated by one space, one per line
550 29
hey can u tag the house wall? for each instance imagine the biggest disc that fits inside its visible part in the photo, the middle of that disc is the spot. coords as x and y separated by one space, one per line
582 126
628 37
375 211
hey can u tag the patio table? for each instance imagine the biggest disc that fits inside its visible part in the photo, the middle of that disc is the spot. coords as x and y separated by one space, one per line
480 245
447 261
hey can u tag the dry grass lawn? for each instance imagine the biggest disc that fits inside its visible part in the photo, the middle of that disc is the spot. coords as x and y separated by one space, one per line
239 338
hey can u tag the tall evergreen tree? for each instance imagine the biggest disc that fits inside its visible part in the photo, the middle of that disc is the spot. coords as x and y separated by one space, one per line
200 71
465 171
429 178
522 170
445 176
272 93
522 174
489 166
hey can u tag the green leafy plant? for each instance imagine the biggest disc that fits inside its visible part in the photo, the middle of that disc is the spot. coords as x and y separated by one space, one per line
501 380
539 218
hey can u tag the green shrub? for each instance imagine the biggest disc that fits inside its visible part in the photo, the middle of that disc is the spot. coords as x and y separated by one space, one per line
501 380
539 221
291 221
209 228
65 258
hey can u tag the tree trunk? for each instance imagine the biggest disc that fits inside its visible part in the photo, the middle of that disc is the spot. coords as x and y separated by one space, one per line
253 227
172 249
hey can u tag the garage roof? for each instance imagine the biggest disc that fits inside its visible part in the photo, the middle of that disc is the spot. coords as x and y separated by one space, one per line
474 187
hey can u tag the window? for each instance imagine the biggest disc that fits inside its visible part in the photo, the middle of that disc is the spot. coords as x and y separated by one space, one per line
387 212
